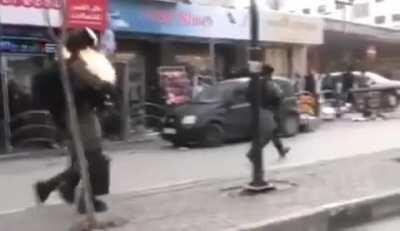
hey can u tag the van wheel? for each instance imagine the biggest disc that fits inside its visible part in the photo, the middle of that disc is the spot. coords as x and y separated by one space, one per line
291 125
214 135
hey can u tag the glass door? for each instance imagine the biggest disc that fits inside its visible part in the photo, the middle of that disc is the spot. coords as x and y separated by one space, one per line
18 71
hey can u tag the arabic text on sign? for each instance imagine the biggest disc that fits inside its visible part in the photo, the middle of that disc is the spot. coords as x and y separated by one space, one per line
40 4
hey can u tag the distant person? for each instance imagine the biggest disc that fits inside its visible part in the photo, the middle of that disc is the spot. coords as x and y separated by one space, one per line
297 83
271 100
310 83
347 83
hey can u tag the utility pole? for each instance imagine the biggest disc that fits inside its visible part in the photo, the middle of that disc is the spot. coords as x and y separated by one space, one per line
258 184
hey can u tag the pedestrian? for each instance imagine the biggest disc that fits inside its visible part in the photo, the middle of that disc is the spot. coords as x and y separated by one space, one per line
92 81
297 82
271 101
347 84
310 83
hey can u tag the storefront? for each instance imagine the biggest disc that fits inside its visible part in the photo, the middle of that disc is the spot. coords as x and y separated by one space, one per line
287 39
25 48
361 46
151 34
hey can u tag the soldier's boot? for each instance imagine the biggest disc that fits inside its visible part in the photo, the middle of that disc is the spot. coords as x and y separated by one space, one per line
42 189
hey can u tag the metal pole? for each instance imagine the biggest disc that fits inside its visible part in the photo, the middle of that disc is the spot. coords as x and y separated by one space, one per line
258 184
5 101
211 50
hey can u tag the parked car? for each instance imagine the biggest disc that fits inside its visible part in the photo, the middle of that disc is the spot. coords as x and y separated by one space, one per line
367 82
221 113
369 79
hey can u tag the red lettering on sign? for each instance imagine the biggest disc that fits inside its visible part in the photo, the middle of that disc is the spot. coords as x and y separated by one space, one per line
160 16
39 4
189 19
87 13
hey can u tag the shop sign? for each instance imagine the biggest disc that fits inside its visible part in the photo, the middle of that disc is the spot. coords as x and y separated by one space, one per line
30 12
24 46
38 4
288 28
180 19
87 13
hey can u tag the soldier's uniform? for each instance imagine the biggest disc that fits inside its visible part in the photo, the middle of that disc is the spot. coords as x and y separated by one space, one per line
89 92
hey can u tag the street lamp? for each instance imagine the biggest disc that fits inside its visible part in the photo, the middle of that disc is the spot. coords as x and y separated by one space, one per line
258 184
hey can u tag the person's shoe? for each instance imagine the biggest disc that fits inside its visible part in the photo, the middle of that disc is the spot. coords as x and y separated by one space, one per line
42 191
284 151
67 193
99 206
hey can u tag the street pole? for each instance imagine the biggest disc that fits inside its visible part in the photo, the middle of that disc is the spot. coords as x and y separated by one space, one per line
5 99
258 184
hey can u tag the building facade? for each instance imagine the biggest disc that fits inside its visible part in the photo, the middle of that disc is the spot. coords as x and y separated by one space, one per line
384 13
212 37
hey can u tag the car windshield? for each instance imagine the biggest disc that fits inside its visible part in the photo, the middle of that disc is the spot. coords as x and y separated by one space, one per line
215 93
208 95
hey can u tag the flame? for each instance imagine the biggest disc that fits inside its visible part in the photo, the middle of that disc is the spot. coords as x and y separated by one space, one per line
65 53
98 65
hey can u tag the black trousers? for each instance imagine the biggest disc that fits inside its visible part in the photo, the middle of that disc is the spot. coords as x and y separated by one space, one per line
270 128
276 140
99 172
98 163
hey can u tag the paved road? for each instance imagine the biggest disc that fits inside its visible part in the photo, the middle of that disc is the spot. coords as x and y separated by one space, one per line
160 165
391 224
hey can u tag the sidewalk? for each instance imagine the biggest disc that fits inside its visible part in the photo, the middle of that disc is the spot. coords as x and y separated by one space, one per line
321 197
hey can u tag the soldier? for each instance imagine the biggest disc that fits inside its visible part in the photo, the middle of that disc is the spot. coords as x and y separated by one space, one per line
271 100
92 78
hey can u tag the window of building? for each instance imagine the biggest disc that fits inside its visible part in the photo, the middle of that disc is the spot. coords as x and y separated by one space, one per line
322 9
380 20
339 6
306 11
396 18
361 10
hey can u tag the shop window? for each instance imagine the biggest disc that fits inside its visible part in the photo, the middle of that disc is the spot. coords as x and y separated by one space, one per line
380 20
361 10
339 6
20 80
322 9
199 63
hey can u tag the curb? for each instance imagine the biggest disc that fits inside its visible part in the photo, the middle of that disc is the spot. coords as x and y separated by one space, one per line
44 153
334 216
37 154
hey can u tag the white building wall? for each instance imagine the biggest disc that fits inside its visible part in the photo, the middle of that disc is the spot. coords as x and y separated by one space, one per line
386 8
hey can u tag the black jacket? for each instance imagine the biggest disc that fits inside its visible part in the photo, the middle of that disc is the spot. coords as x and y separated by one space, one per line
271 94
48 94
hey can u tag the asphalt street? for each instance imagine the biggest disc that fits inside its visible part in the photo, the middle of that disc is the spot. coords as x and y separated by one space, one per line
158 164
